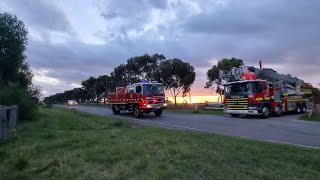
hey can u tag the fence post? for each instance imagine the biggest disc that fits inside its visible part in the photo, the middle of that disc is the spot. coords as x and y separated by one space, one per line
8 120
3 123
314 109
13 116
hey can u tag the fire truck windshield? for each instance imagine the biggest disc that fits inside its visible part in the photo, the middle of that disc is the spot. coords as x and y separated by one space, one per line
236 89
152 89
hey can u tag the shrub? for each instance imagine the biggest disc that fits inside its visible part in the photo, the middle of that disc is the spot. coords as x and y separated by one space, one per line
21 162
196 112
49 105
14 96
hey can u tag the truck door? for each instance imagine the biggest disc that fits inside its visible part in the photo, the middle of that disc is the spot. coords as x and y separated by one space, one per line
258 89
261 89
138 93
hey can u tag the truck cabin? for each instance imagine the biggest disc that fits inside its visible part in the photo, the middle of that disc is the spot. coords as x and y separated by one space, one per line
146 88
241 89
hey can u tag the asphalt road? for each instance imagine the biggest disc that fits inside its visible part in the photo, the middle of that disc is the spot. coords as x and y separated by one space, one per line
286 129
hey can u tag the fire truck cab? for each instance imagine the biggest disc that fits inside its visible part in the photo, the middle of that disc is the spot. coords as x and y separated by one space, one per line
138 98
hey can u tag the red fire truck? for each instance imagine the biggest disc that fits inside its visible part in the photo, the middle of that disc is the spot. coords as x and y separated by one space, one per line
138 98
264 92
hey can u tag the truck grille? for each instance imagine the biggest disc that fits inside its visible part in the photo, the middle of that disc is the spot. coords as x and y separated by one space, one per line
237 103
155 100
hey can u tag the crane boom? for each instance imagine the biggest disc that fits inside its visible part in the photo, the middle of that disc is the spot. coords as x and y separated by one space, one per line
243 72
274 76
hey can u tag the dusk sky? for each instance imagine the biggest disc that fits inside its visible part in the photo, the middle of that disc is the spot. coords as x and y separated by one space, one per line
71 40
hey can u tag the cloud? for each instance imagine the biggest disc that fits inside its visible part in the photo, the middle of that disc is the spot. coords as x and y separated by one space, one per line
40 14
267 30
90 39
224 23
75 61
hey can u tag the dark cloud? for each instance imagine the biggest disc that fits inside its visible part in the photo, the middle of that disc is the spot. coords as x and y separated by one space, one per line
226 22
109 15
161 4
40 14
124 9
283 34
268 30
76 61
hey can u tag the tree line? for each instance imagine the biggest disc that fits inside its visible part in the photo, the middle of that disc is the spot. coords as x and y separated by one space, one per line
176 75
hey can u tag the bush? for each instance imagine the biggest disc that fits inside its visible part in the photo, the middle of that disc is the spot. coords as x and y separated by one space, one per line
14 96
196 112
45 105
48 105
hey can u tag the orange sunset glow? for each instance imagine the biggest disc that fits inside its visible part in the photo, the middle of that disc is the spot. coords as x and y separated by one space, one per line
194 99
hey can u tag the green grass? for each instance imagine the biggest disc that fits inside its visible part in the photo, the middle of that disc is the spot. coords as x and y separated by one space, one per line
66 144
198 111
312 118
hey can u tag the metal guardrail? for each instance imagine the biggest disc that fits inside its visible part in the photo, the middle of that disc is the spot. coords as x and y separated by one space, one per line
8 120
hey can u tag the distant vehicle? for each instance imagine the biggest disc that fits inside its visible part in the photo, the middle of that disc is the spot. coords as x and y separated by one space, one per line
72 103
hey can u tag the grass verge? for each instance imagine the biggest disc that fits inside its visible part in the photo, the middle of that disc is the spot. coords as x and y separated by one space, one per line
198 111
66 144
312 118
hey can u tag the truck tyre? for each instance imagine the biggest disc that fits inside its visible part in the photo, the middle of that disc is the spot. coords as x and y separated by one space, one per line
278 112
136 112
158 112
298 109
114 110
235 115
303 108
265 111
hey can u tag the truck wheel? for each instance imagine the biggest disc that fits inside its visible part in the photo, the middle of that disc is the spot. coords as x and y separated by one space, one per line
114 110
235 115
265 111
303 108
278 111
298 109
158 112
136 112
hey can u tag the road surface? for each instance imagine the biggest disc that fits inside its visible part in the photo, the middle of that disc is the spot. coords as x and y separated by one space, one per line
286 129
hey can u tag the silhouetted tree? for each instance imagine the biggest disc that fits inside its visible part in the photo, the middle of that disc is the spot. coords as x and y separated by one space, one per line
214 82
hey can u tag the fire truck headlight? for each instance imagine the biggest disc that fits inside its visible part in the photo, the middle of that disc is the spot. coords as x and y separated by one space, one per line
149 106
165 104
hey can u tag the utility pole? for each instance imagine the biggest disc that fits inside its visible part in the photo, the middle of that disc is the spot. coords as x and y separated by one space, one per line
314 109
190 97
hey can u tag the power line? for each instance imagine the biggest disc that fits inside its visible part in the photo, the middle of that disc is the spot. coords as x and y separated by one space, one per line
51 24
52 17
73 7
